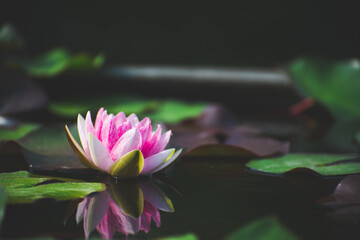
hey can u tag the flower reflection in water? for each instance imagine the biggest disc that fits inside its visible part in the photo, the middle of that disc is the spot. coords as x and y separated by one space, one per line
126 207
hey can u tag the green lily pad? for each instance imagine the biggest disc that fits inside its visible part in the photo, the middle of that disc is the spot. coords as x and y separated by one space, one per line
18 132
324 164
2 203
335 84
127 104
37 238
24 187
58 61
170 111
268 228
188 236
176 111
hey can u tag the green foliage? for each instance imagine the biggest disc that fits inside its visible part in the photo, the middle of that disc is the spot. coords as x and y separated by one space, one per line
60 60
188 236
268 228
18 132
23 187
323 164
335 84
128 104
164 111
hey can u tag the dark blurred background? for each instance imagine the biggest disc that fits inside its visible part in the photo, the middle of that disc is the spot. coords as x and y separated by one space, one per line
248 33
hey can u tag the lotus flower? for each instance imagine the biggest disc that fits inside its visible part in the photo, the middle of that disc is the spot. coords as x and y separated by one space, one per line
122 146
124 207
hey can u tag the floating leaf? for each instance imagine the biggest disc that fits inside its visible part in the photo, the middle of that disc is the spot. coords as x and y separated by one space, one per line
324 164
157 110
128 104
188 236
246 147
347 192
175 111
2 203
268 228
58 61
345 200
214 167
18 132
23 187
335 84
241 141
48 149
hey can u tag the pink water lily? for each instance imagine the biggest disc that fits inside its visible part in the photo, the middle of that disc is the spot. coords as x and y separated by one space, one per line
122 146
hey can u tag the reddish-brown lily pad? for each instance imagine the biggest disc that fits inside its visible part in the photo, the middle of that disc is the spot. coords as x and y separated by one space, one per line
347 192
214 167
215 133
229 142
345 200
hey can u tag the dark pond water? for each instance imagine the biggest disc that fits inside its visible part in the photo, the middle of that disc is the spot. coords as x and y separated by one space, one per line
211 200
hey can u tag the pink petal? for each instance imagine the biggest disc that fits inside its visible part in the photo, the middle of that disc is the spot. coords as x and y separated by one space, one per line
145 222
153 212
119 119
83 135
167 163
153 162
99 153
80 210
113 135
151 143
89 127
133 120
95 212
129 141
126 224
157 198
105 130
145 128
99 122
107 226
104 116
157 219
164 140
123 128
